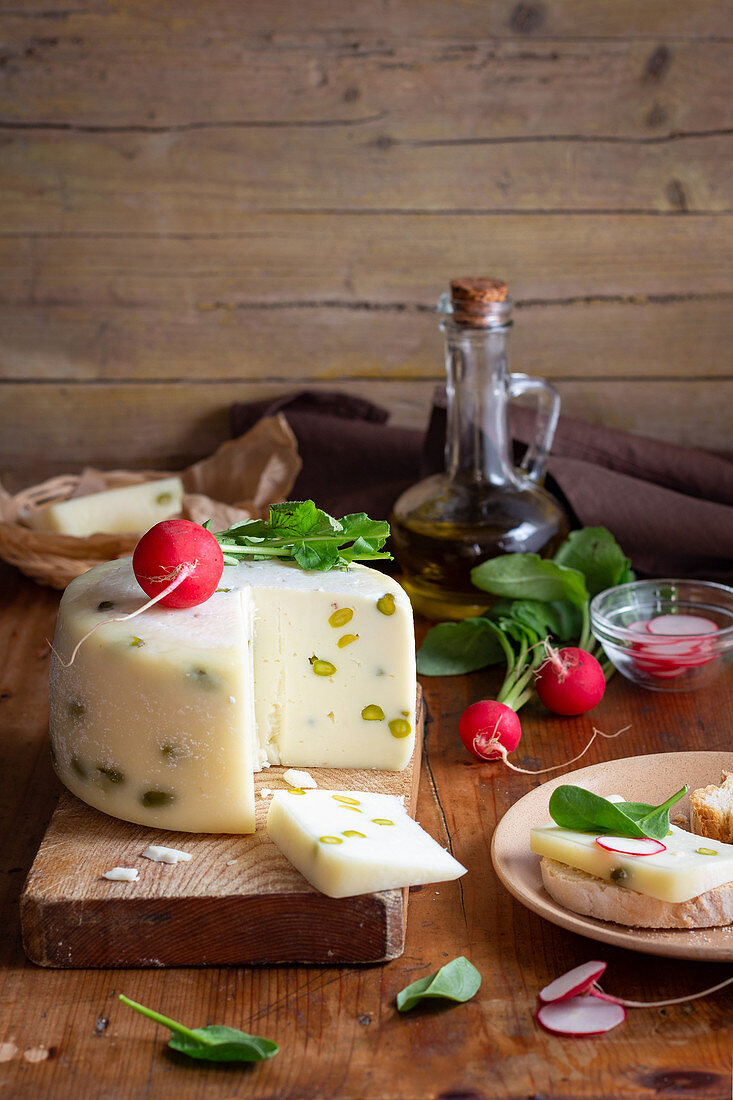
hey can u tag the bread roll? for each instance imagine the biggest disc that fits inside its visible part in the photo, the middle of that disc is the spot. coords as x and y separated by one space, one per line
711 810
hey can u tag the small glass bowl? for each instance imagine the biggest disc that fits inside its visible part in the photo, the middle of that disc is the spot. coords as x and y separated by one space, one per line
665 662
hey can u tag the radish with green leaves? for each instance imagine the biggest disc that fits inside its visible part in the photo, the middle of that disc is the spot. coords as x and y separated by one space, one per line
570 681
491 730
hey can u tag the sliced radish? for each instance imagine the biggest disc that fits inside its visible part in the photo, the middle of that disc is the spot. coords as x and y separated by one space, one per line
631 846
580 1016
681 625
578 980
641 626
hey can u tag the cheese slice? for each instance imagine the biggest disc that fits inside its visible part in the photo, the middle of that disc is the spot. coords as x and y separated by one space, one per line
129 509
163 719
354 842
689 866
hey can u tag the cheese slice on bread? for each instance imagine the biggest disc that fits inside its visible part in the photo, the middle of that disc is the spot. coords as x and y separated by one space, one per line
688 885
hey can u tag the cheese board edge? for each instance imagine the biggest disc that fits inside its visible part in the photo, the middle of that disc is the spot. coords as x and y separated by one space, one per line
72 921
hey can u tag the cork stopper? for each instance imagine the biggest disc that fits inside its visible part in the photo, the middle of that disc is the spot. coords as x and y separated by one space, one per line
473 299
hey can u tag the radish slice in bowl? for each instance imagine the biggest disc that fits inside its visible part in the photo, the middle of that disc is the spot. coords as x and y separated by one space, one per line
631 846
576 981
681 626
580 1016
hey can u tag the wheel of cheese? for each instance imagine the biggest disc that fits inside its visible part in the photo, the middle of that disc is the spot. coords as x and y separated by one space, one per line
163 719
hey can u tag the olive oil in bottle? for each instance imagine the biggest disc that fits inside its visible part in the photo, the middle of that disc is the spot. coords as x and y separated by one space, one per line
482 505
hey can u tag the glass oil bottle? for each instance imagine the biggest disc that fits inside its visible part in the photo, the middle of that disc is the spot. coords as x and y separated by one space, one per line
482 505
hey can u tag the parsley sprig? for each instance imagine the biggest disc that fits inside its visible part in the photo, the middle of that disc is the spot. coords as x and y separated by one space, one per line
299 531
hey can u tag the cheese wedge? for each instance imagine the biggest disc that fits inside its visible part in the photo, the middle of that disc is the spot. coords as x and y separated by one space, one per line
354 842
163 719
689 866
130 509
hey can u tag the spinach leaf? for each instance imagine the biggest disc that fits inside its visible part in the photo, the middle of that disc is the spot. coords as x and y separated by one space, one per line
576 808
301 532
654 820
450 649
594 552
458 981
559 618
528 576
213 1043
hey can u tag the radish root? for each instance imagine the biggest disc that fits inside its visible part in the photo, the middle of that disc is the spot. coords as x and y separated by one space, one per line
598 992
179 575
496 744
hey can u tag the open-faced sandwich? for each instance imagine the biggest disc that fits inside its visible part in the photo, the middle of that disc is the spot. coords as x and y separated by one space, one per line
624 862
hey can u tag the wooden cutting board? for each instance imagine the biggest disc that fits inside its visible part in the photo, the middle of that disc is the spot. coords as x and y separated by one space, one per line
238 900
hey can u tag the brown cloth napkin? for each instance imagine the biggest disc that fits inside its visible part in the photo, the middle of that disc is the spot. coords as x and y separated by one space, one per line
669 507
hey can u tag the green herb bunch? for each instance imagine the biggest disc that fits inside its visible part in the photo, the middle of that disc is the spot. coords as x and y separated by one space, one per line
539 600
299 531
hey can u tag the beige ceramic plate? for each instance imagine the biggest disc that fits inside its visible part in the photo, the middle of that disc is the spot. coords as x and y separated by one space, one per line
639 779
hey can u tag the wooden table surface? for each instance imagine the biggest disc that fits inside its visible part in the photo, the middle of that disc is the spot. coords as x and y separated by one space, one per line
64 1034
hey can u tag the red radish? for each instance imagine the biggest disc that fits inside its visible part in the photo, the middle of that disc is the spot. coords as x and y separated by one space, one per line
182 557
574 1003
494 742
587 1015
576 981
487 727
177 563
631 846
570 681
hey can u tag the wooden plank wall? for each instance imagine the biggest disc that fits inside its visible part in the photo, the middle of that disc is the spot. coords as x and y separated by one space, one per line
203 203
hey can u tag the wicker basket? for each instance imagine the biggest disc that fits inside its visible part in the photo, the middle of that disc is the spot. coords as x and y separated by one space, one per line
56 559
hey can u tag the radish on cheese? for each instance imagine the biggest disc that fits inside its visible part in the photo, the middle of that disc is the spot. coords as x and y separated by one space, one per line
178 563
631 846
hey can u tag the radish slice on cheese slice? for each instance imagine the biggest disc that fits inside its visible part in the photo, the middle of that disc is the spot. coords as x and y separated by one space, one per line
631 846
578 980
681 625
580 1016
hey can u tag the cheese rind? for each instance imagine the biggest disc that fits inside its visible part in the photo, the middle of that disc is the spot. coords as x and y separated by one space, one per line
354 842
163 719
127 510
679 873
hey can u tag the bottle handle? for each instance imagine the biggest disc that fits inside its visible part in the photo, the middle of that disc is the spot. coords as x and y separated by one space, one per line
548 410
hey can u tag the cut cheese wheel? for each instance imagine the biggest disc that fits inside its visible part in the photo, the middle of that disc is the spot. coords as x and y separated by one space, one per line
164 719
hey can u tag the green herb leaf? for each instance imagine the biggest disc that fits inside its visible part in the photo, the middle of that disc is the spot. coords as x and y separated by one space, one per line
561 619
299 531
450 649
654 820
576 808
211 1044
594 552
528 576
458 981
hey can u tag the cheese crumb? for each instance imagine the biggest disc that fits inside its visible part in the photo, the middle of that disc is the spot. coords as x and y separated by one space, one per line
299 779
265 792
160 854
122 874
